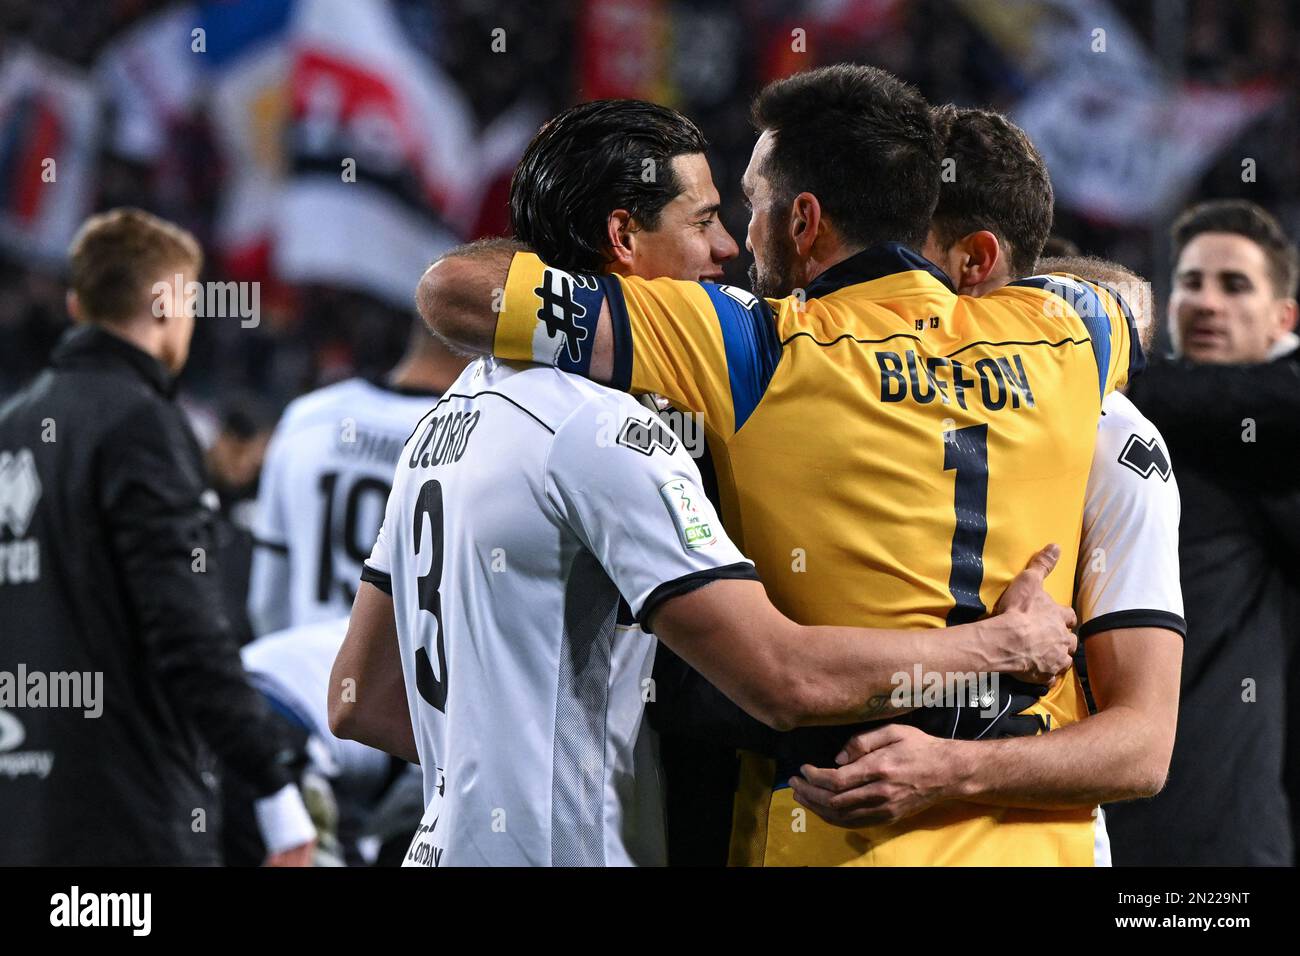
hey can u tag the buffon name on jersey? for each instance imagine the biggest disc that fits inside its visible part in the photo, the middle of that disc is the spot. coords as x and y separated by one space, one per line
997 383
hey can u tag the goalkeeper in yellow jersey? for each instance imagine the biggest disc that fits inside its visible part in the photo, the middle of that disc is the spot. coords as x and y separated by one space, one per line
888 452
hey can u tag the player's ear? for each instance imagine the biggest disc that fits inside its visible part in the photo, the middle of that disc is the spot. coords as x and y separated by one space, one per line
983 256
1288 312
74 306
805 222
619 229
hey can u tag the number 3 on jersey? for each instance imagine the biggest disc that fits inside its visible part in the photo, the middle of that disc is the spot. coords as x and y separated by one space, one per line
432 687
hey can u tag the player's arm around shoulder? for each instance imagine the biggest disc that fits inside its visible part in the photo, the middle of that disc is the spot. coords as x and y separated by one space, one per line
708 348
460 295
619 479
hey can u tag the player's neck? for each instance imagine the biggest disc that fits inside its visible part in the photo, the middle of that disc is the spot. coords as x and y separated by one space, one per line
421 371
827 255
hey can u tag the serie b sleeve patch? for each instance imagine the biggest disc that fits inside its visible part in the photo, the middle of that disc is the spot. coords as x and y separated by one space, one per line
691 513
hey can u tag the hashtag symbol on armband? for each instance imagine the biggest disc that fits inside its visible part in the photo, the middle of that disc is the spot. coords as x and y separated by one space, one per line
560 311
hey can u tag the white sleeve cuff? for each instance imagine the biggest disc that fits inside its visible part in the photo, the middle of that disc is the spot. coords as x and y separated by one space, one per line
283 819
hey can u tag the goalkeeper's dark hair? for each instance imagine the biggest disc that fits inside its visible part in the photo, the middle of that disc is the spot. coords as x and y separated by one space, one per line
859 139
588 161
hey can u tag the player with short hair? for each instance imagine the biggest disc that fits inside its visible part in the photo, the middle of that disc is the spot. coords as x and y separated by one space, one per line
1234 284
1128 596
886 450
1229 405
108 537
525 505
325 482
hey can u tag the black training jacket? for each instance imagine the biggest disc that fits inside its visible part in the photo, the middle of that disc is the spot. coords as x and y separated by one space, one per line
106 567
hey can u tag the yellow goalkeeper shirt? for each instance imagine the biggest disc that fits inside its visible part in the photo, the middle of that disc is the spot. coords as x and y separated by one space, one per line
889 454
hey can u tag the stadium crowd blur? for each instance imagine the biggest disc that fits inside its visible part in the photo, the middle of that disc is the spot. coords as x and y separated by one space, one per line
714 54
1204 102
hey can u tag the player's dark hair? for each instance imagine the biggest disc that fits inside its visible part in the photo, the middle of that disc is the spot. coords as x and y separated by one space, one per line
860 140
1243 218
996 180
588 161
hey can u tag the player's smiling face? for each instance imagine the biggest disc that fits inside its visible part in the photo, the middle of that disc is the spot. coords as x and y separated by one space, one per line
1223 308
689 241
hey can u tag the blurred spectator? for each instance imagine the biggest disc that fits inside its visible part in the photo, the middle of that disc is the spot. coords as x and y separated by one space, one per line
328 473
104 483
1233 307
234 461
235 456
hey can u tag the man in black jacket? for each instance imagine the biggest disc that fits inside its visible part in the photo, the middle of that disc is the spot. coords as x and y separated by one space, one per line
108 589
1228 409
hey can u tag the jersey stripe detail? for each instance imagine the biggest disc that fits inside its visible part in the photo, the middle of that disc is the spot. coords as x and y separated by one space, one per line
1144 617
1137 359
752 348
1087 304
852 337
507 398
621 378
378 578
1049 344
740 571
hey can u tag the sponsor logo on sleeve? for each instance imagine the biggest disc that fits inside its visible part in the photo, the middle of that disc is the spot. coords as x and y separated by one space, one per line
647 436
1145 456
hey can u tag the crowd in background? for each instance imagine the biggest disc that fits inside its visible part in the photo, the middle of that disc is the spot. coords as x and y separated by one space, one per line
716 54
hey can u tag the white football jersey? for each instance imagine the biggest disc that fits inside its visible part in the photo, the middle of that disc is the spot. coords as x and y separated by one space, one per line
321 500
524 505
1128 554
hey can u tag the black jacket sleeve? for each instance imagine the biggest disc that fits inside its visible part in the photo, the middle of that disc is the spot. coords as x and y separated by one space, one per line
162 538
1203 411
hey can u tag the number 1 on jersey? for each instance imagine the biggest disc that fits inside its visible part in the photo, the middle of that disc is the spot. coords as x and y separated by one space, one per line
966 451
